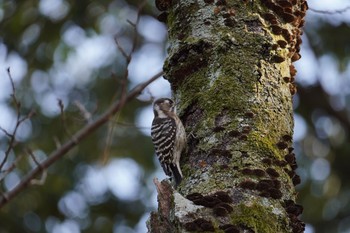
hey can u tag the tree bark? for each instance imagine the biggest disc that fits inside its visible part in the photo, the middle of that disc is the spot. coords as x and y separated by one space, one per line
230 69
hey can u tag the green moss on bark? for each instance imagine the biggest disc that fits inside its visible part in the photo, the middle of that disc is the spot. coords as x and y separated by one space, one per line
258 218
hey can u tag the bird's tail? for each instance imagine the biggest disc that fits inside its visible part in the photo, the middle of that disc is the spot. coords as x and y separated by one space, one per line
176 173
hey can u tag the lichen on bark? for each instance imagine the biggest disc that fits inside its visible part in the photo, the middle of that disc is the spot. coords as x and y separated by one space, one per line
230 69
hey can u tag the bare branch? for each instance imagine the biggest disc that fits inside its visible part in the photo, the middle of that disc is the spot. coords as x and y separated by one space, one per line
5 132
341 11
57 142
19 121
30 152
63 116
77 137
28 116
131 23
61 107
124 80
12 86
120 48
42 179
11 167
109 138
85 113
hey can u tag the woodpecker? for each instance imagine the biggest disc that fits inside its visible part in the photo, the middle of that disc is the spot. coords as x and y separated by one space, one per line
169 137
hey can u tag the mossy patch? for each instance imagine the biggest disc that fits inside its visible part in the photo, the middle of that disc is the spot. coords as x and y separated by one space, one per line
258 218
263 144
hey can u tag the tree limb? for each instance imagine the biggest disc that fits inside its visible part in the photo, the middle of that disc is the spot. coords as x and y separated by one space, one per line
75 139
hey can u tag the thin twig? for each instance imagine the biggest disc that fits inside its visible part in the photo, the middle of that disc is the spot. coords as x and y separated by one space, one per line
11 167
19 121
109 138
133 46
125 76
120 48
63 116
57 142
84 112
341 11
78 137
30 152
13 87
28 116
61 106
42 179
5 132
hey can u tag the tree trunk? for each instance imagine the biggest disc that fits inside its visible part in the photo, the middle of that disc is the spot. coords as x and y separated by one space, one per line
230 68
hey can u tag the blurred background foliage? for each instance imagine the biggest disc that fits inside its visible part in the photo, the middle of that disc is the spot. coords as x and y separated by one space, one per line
65 49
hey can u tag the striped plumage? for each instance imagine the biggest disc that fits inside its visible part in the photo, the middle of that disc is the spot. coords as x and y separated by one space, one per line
169 137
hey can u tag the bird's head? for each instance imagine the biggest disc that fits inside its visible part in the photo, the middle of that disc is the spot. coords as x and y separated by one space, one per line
163 106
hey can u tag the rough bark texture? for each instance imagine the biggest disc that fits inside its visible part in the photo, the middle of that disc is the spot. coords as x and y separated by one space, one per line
230 67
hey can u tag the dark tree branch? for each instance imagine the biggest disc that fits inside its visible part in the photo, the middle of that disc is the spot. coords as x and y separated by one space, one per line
76 138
